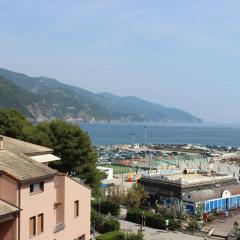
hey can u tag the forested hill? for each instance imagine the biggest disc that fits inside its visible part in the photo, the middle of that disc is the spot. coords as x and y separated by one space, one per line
45 98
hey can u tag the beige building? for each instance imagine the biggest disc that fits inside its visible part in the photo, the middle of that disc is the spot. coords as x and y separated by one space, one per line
37 202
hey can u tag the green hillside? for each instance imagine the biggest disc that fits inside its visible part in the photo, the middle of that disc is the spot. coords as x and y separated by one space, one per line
49 98
12 96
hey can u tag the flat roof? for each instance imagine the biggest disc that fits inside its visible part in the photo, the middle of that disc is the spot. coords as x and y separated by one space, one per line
45 158
189 179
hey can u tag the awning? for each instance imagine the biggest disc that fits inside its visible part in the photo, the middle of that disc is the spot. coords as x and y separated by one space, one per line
45 158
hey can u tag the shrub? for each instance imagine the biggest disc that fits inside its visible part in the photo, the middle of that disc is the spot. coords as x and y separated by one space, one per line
109 226
109 236
174 224
193 225
155 221
107 206
96 218
134 215
115 235
132 236
152 220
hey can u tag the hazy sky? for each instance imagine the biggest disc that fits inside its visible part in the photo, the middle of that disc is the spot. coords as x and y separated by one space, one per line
179 53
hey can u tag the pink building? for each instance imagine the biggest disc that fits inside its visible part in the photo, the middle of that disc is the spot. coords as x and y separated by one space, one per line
36 202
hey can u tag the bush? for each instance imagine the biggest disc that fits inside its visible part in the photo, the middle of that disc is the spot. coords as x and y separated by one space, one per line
134 215
120 236
109 236
132 236
96 218
109 226
152 220
107 206
193 225
174 224
155 221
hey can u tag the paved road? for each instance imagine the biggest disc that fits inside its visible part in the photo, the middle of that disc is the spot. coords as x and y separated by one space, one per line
223 228
155 234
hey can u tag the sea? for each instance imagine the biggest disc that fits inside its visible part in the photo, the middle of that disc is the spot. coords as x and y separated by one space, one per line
121 133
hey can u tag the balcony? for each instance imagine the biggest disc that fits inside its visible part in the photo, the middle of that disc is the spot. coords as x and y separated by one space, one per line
59 227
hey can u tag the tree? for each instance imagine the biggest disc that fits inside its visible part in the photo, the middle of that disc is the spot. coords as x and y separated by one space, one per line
12 123
68 141
136 196
74 147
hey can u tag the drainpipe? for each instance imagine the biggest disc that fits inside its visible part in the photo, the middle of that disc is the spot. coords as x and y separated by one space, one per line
19 205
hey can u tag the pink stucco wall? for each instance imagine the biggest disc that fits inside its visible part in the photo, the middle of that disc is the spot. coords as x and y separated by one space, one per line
80 225
61 189
8 230
8 189
8 193
34 204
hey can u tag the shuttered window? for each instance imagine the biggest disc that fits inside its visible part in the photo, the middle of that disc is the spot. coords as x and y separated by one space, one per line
32 227
40 223
76 208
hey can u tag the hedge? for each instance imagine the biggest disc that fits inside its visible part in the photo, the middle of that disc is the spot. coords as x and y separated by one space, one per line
116 235
96 218
109 236
152 220
107 206
109 226
102 224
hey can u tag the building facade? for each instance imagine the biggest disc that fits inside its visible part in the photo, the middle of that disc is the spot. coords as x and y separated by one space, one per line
213 191
36 202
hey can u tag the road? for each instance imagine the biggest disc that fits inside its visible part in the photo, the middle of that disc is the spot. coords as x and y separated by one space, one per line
155 234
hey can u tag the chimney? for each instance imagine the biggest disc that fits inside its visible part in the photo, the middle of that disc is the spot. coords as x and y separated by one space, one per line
1 142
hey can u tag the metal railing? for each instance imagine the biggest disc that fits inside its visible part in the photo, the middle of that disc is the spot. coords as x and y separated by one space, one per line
59 227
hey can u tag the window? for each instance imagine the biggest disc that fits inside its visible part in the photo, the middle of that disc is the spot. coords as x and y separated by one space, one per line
32 227
37 187
76 208
40 223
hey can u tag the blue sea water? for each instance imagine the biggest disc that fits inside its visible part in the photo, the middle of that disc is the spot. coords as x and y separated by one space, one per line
113 133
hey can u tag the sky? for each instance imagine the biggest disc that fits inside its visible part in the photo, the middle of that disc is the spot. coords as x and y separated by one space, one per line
183 54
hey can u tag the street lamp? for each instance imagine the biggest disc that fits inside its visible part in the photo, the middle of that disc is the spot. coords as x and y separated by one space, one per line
132 136
145 135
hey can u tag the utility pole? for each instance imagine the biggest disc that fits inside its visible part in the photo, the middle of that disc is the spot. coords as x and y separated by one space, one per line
150 163
132 136
145 135
99 205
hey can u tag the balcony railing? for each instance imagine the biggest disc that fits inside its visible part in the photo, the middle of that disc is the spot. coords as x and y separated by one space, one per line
59 227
